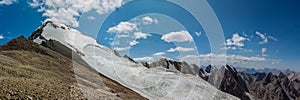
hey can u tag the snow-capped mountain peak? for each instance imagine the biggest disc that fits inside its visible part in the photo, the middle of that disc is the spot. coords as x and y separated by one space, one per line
152 83
70 37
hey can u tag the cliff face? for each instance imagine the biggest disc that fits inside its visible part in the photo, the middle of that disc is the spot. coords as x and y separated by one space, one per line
182 67
32 71
260 85
275 87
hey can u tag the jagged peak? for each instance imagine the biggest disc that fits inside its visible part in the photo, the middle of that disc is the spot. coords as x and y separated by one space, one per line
37 33
281 75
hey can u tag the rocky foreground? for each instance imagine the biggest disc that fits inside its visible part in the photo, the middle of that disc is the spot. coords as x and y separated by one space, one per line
32 71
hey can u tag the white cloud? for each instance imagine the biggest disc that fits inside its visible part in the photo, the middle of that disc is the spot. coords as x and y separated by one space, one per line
91 17
122 49
67 11
1 37
236 41
133 43
237 48
263 51
7 2
122 36
110 39
272 38
274 62
126 28
265 38
154 57
139 35
192 59
148 20
180 36
181 49
143 59
221 59
198 33
123 27
159 54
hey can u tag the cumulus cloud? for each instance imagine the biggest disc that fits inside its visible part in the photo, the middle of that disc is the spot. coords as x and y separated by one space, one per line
139 35
7 2
123 27
236 41
133 43
181 49
67 11
265 38
148 20
1 37
180 36
126 28
130 31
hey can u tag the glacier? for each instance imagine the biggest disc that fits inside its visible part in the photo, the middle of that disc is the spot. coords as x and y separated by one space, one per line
154 83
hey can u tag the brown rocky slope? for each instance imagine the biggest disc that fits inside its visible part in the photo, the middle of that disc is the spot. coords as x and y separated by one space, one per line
32 71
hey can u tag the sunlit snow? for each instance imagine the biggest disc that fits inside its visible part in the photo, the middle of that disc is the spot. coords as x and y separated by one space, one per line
155 83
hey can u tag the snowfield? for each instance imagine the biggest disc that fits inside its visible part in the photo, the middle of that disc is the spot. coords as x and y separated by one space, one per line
154 83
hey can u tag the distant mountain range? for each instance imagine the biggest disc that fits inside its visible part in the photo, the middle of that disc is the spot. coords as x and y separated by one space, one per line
247 84
264 70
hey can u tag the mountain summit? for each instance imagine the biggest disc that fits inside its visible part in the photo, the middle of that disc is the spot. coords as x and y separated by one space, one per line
151 83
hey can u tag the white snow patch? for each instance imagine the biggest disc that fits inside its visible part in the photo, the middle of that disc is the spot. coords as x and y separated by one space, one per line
156 83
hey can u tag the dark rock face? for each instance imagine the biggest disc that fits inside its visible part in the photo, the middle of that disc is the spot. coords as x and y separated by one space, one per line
115 52
208 68
182 67
203 75
130 59
162 62
38 32
259 85
275 87
230 82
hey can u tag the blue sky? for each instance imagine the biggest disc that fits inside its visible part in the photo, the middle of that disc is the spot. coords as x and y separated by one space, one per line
258 33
